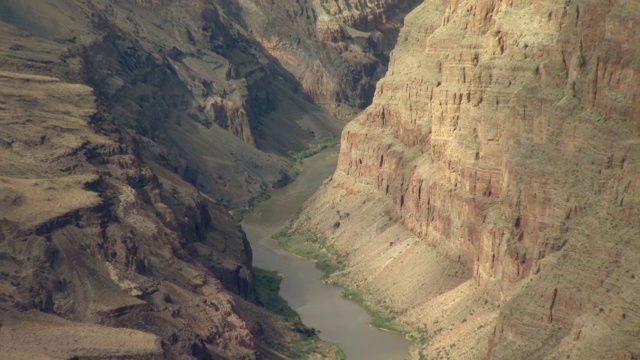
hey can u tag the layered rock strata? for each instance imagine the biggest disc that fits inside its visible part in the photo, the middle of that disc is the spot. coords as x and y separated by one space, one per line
91 235
127 130
186 74
365 15
490 193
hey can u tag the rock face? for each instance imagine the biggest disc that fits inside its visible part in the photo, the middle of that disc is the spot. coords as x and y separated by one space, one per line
336 50
489 195
127 129
497 174
186 74
365 15
92 235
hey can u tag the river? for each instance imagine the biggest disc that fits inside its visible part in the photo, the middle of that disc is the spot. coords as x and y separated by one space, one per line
320 306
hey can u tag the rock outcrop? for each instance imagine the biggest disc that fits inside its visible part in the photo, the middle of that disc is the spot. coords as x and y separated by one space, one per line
491 191
94 237
188 73
366 15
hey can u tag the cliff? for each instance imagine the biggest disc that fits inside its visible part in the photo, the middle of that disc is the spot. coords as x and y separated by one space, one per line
93 240
490 193
336 50
487 197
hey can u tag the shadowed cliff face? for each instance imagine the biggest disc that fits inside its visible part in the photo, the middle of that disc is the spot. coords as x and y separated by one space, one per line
505 136
337 51
180 72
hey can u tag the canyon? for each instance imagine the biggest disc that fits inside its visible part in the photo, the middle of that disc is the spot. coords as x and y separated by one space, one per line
487 193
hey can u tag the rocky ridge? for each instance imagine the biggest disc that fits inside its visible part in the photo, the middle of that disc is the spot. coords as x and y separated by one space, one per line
490 192
93 240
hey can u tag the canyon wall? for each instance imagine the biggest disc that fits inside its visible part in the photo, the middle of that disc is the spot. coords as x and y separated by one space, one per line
128 129
490 194
104 253
337 50
488 197
186 75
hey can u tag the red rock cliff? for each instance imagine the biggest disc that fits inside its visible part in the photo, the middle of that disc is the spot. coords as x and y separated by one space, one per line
506 136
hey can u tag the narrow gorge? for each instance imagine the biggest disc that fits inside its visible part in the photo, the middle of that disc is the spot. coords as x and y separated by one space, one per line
486 198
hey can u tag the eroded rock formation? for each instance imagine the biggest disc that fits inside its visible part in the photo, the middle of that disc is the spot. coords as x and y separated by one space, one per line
491 191
127 131
91 235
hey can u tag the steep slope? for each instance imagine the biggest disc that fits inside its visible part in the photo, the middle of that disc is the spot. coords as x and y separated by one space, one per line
185 75
111 112
89 233
490 194
337 50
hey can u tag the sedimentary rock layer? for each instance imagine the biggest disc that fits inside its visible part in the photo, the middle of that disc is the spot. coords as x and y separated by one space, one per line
92 235
504 142
336 51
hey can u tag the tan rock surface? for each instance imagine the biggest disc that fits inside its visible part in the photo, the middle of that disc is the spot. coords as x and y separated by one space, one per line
37 335
504 142
80 242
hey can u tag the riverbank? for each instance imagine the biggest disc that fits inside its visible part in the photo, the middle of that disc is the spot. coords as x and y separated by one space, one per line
320 305
305 344
314 247
328 144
